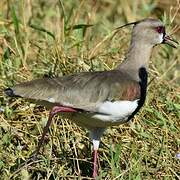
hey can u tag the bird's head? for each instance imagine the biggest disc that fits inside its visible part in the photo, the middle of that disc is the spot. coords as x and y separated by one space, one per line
153 32
150 32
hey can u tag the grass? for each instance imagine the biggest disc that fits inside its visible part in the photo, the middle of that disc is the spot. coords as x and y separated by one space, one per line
40 38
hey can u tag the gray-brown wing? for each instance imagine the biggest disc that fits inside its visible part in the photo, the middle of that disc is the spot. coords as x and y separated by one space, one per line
81 91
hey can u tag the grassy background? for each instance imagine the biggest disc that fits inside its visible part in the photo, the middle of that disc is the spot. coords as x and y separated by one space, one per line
40 38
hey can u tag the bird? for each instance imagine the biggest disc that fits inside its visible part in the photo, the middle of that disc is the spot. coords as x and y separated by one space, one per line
101 99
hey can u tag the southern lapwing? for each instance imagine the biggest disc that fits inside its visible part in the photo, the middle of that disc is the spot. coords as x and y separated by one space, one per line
97 100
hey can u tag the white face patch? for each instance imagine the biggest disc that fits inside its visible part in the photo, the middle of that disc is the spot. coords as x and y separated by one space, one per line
161 37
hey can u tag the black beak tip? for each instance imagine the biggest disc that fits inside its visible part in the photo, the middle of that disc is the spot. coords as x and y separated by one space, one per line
9 92
175 41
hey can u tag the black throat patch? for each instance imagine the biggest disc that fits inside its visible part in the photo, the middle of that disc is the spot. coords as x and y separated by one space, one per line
143 75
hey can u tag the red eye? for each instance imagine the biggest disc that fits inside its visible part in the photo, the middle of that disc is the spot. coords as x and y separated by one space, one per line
160 29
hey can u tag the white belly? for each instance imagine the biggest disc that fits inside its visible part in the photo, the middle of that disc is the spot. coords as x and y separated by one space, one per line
117 110
108 114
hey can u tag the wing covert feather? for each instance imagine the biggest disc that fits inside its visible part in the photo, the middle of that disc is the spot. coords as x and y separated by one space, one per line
82 91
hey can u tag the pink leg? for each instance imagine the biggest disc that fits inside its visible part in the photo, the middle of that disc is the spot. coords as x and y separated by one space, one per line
95 165
53 112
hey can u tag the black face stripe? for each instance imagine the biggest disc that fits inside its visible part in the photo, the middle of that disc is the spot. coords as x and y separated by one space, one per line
143 75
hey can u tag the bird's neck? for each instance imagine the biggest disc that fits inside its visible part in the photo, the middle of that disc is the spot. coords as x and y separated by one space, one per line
138 56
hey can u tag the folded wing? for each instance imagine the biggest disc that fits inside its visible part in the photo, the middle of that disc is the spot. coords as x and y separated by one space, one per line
81 91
